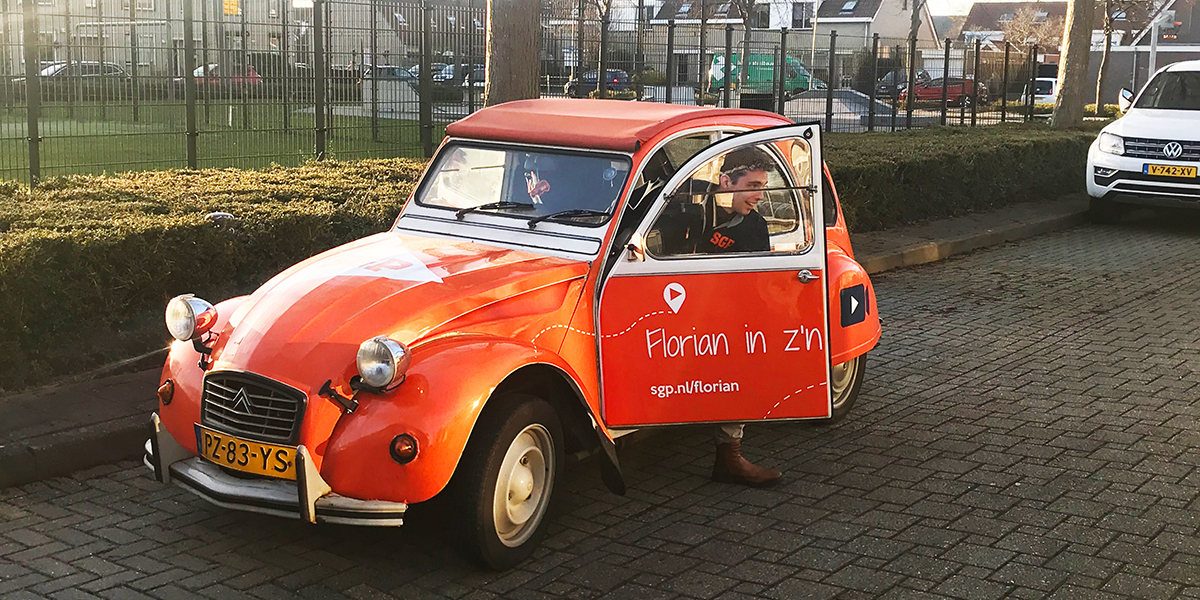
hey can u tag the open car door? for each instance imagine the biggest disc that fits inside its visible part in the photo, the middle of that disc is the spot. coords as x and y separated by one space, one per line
716 313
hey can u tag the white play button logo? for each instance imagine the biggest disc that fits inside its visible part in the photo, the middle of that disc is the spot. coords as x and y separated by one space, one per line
674 295
854 298
853 304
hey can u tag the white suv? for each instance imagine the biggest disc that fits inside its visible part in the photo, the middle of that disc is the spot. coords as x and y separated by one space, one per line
1150 155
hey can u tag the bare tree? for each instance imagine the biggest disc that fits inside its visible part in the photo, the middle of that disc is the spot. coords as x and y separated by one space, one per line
514 37
745 9
1072 67
1111 9
1031 26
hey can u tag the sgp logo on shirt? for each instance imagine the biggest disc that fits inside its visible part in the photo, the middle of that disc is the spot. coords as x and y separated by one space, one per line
720 241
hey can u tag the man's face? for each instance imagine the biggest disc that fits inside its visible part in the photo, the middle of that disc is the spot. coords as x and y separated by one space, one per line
750 185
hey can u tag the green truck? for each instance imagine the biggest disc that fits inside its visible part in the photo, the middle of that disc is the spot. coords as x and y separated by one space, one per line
760 75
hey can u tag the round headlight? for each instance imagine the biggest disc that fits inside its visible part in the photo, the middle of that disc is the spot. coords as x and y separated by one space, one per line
189 317
1112 144
382 361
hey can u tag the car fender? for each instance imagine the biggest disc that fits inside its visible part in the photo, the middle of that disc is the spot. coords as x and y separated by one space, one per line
445 390
182 368
857 339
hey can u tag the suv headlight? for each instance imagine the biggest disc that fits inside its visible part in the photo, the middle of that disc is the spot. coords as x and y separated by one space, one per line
382 361
1112 144
189 317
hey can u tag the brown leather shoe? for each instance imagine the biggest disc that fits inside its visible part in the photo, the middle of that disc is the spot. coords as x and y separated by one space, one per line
731 467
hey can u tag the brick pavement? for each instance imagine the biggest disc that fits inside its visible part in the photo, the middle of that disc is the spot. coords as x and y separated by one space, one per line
1026 430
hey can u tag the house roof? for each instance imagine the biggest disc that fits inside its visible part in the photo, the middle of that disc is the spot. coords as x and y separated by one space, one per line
848 9
689 10
990 16
600 124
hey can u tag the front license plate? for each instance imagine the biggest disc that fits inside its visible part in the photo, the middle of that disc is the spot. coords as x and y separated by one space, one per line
258 458
1169 170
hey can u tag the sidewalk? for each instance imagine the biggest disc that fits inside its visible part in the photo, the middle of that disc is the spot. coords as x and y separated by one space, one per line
56 430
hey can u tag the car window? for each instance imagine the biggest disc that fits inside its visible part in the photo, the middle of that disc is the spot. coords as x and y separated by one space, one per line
742 201
539 183
112 70
52 70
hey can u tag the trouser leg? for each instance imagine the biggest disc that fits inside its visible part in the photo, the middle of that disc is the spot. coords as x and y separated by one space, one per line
728 433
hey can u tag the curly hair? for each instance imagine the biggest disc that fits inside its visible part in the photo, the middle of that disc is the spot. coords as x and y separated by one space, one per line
743 160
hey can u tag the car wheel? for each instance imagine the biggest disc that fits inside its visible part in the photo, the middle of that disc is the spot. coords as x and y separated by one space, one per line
1102 210
845 380
507 478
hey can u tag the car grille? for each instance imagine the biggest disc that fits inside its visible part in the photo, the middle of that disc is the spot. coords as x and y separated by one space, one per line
1153 149
245 404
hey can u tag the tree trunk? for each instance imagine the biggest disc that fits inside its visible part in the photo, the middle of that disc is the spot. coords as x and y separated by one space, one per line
513 47
1073 66
1108 31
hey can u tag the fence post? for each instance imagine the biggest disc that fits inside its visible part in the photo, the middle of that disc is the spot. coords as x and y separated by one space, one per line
78 81
1004 96
728 76
33 91
204 7
319 76
912 76
700 70
244 68
896 89
639 52
189 83
671 76
874 78
577 68
781 101
373 74
330 92
832 80
426 84
975 88
133 59
101 88
945 81
1033 65
285 66
602 76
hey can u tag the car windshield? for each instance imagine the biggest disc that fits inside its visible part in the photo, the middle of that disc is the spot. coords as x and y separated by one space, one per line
1179 90
530 183
1043 87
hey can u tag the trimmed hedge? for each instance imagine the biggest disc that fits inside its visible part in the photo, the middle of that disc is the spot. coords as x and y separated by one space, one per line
87 263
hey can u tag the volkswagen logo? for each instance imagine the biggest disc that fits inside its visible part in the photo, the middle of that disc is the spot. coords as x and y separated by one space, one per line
1173 150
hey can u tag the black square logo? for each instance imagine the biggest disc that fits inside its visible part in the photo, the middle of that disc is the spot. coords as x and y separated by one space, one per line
854 305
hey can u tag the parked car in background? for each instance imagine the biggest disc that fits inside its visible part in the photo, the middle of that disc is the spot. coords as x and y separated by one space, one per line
582 87
220 79
760 75
959 91
434 68
457 74
386 72
894 82
80 80
1045 91
1149 157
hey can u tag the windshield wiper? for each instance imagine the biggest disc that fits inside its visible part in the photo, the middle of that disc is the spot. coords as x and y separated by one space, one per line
574 212
460 213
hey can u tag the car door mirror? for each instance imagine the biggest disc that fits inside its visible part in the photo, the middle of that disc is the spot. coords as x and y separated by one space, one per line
1125 99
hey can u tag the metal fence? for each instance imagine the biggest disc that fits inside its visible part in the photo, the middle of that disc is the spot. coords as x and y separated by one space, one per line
111 85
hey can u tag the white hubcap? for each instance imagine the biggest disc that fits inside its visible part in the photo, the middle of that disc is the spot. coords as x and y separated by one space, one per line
841 376
523 485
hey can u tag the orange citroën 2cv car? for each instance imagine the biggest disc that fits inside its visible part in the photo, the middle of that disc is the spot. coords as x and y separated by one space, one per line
542 293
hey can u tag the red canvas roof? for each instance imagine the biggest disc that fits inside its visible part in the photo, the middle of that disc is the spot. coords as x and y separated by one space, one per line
602 124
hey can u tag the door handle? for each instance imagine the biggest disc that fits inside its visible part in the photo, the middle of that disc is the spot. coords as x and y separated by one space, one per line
806 276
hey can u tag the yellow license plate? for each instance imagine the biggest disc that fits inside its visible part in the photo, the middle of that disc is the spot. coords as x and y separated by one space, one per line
1169 170
233 452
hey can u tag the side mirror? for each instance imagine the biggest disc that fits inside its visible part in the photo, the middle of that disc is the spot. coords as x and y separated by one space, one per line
1125 100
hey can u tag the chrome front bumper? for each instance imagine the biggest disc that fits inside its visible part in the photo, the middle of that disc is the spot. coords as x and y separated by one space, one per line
308 498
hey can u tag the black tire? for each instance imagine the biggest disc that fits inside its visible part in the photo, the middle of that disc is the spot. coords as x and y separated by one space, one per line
1104 211
520 435
845 381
